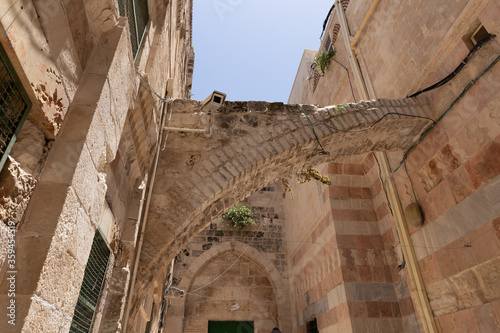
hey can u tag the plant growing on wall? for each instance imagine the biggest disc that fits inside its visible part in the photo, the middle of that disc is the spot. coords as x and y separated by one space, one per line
305 176
240 216
323 59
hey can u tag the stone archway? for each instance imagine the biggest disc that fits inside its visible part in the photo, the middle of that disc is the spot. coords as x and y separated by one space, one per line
254 144
180 306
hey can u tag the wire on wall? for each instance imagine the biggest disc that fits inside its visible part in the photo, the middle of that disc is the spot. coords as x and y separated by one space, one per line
349 77
325 23
322 151
456 70
452 105
383 184
411 183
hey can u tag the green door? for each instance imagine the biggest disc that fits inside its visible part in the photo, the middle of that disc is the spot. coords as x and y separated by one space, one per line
230 327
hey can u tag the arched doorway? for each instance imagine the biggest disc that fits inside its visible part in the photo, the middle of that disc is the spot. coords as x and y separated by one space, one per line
216 290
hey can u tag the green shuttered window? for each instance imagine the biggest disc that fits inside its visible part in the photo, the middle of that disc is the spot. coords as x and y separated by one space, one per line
14 106
91 286
138 16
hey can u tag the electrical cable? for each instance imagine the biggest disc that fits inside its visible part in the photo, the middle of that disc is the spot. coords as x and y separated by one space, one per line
322 151
335 245
383 184
326 20
150 89
456 70
411 183
375 123
467 245
349 77
452 105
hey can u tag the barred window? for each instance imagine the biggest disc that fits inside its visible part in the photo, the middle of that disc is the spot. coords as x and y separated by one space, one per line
138 16
14 106
91 288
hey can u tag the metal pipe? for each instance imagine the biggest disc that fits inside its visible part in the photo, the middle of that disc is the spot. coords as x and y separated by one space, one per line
145 219
363 25
139 218
177 129
416 280
360 82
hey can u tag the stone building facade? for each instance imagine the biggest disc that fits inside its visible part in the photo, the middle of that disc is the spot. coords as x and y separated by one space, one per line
97 75
91 188
355 273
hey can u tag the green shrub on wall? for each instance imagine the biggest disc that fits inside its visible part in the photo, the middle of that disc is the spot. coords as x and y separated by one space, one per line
240 216
323 59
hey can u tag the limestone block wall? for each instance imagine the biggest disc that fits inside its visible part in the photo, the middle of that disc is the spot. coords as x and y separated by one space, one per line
342 271
266 237
455 176
453 171
84 150
254 143
254 258
244 285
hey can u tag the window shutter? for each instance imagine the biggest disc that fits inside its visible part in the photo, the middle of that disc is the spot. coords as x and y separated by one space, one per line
137 13
14 106
93 280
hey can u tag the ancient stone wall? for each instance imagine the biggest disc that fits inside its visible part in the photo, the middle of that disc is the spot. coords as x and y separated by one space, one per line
244 293
341 271
247 277
85 149
266 237
453 171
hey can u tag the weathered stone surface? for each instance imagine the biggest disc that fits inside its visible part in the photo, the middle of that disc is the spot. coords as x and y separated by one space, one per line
234 134
29 148
213 301
16 187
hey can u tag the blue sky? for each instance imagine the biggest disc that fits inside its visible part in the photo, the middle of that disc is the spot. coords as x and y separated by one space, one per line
251 49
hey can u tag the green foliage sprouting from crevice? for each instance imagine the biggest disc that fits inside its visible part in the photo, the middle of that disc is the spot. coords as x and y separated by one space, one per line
240 216
323 59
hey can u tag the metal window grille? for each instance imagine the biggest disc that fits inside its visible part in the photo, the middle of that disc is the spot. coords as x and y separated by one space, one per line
138 16
90 290
14 106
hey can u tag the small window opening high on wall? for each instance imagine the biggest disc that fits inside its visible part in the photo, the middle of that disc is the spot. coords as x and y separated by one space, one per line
479 34
312 326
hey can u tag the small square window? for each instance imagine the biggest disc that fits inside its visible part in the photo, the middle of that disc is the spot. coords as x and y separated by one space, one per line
328 46
479 34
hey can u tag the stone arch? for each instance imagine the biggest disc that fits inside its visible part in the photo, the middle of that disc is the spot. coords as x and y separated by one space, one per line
278 283
253 145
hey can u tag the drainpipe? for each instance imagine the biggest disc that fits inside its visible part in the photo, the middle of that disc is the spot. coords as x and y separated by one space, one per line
145 218
363 25
415 275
